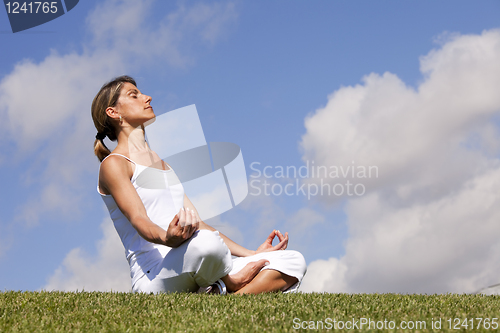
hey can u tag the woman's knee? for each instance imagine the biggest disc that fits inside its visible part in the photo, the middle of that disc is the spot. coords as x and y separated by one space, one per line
298 260
207 244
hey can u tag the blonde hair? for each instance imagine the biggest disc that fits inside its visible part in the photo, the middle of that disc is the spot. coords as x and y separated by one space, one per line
105 98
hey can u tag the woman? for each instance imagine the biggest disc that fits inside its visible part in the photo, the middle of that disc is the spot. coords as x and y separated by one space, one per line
168 247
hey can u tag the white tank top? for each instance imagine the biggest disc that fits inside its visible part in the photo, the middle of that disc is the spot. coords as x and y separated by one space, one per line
162 194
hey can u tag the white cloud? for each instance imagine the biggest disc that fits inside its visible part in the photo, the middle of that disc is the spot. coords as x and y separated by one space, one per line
324 276
52 97
433 247
106 271
47 106
130 33
118 20
213 18
427 223
409 133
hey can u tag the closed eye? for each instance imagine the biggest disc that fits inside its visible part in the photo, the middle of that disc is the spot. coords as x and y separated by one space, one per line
133 93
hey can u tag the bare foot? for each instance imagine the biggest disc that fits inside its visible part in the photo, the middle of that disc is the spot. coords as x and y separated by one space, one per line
237 281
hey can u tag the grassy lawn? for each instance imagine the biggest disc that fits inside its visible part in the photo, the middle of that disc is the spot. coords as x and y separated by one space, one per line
125 312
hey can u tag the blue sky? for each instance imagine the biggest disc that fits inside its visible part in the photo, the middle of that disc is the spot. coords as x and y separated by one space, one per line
385 83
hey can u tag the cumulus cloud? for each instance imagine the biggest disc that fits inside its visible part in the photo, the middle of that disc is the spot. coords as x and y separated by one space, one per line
324 276
422 140
53 127
130 33
106 271
426 223
42 99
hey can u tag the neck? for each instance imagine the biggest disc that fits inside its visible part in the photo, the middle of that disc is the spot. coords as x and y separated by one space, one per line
133 140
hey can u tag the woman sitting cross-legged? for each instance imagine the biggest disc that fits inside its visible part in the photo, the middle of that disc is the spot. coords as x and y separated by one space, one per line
168 247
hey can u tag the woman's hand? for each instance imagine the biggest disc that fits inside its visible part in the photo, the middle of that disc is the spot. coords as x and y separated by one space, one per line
267 246
182 227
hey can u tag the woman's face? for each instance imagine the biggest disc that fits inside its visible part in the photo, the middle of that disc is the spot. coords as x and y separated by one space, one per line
133 106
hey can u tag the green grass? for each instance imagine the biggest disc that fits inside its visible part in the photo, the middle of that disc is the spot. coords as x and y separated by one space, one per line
126 312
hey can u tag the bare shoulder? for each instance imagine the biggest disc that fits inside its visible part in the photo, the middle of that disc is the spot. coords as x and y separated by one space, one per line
114 169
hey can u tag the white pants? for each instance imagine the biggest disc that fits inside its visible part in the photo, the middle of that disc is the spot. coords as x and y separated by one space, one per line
204 259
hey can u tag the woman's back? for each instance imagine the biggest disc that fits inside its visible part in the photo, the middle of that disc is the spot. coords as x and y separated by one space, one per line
162 195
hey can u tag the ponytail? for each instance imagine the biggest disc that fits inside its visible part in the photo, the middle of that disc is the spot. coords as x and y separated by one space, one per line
100 150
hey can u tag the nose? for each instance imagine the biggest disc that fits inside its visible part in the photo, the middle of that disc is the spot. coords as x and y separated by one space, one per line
148 99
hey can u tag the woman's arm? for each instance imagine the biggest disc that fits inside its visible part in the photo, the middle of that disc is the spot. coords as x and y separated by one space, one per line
236 249
114 178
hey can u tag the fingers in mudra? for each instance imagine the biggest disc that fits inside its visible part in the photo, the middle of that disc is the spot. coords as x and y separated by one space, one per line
283 240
